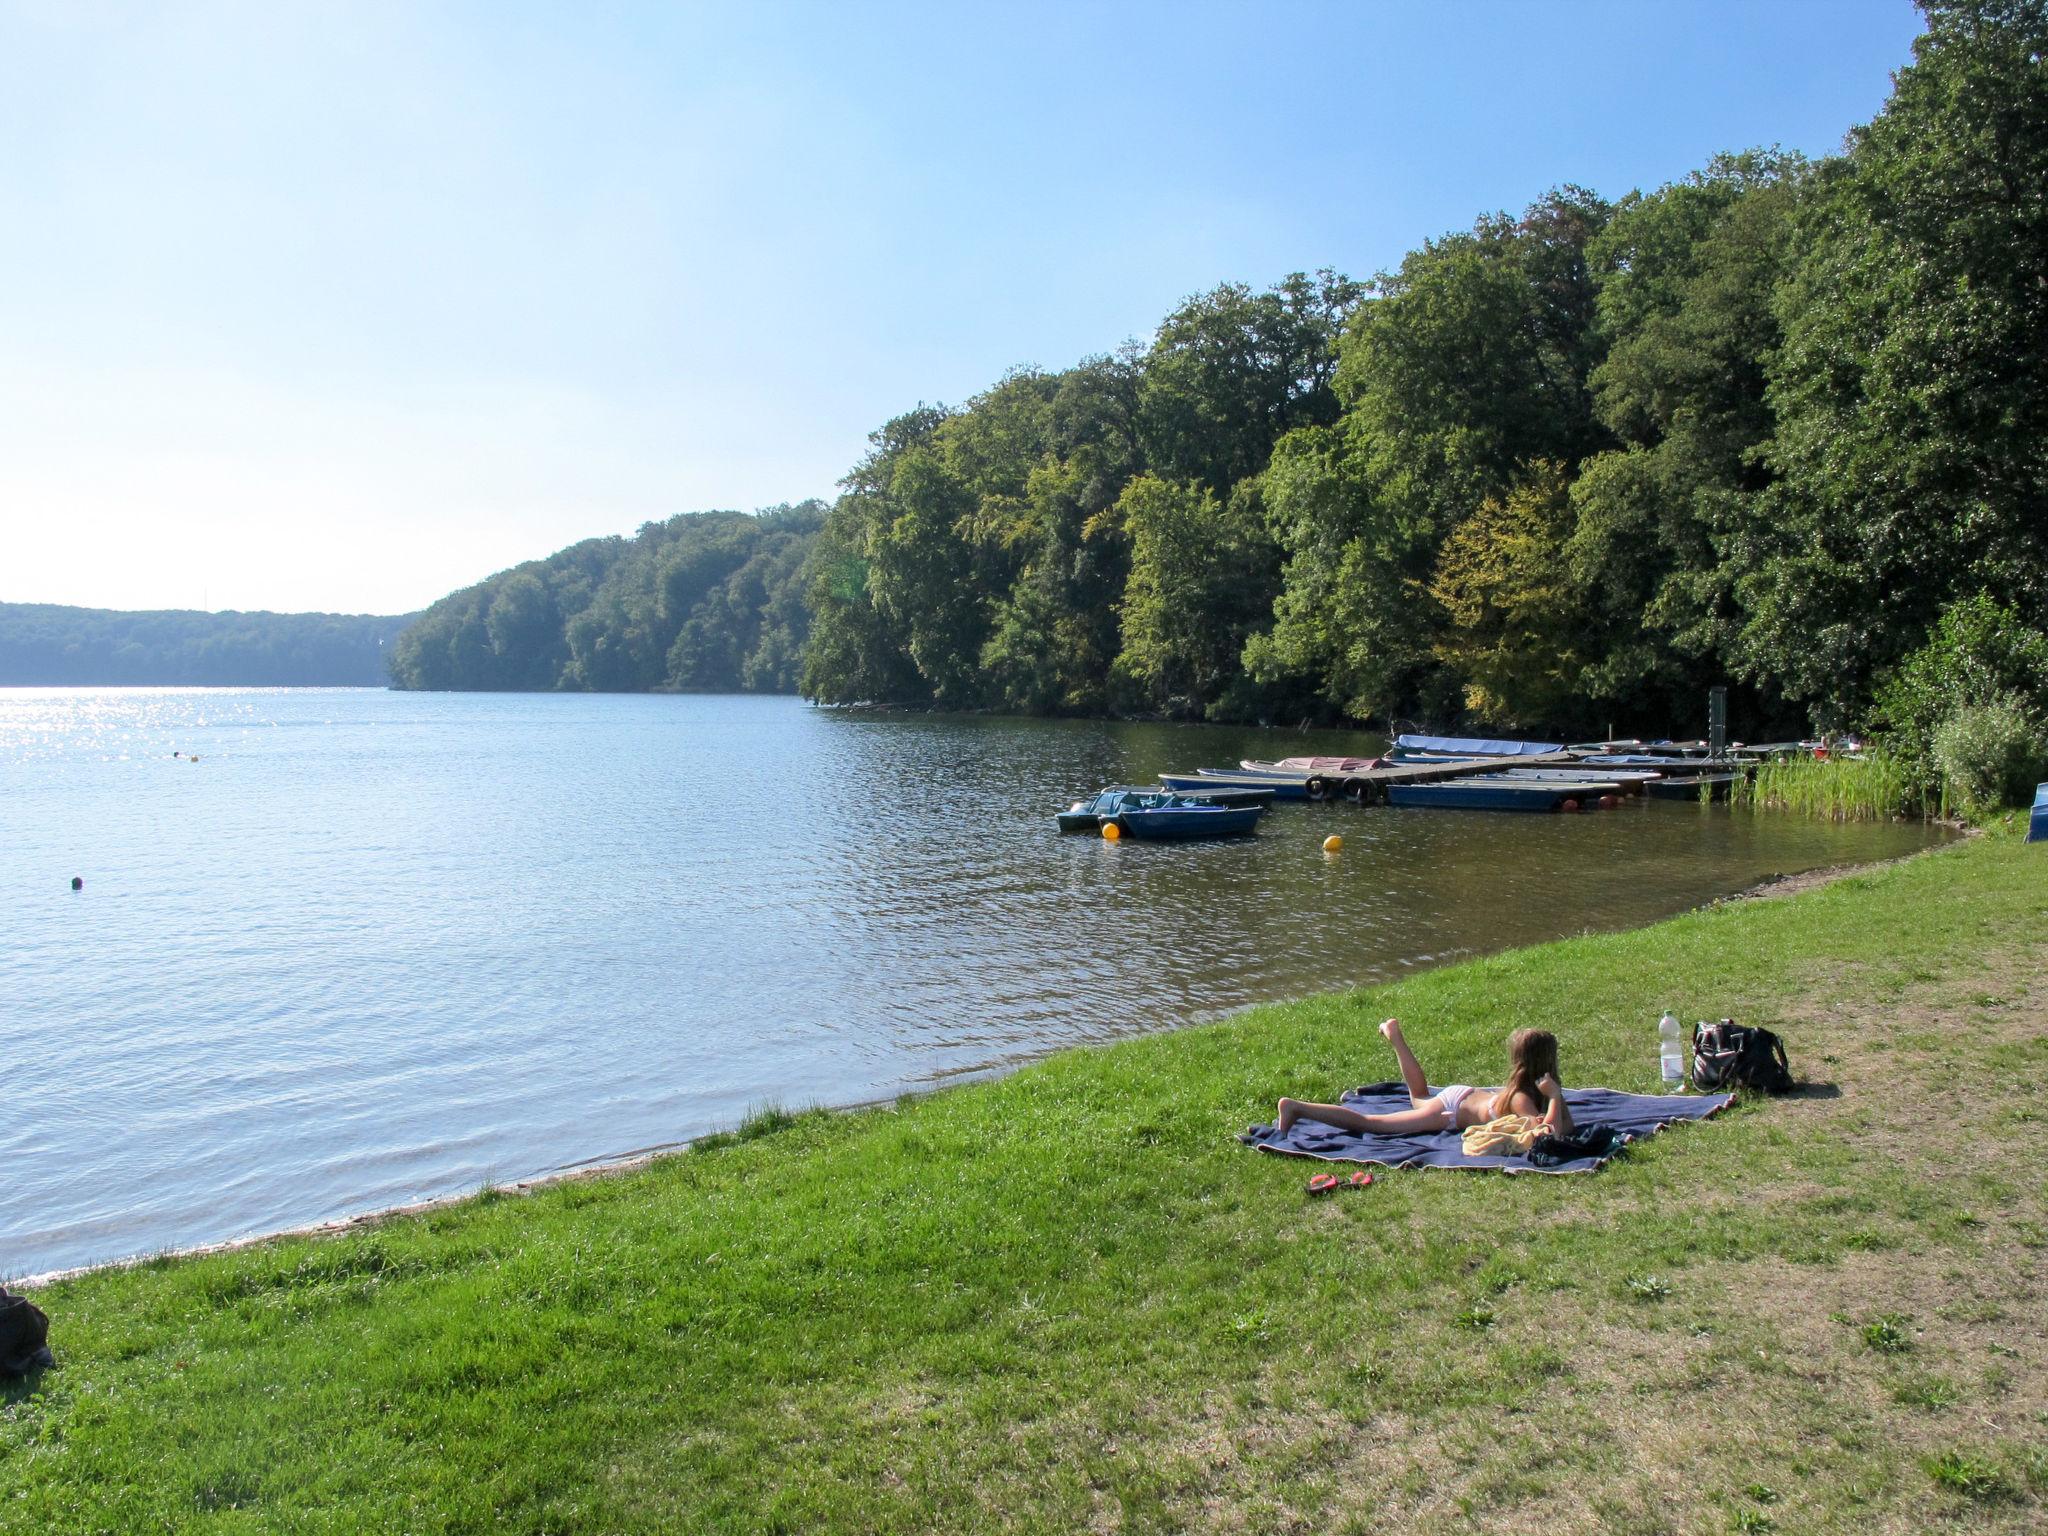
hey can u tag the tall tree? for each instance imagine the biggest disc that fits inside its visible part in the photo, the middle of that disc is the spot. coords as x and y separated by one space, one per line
1912 387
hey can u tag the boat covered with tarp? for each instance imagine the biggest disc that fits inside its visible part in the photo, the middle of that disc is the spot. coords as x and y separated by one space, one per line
1409 744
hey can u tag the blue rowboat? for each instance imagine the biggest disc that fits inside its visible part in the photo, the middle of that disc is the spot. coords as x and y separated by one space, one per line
1210 780
1481 795
1160 814
1191 818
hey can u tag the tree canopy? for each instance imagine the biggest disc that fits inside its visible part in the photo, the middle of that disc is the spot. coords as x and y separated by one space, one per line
1774 424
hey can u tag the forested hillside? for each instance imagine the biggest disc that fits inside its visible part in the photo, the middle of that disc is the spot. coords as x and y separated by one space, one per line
44 645
1764 425
1780 424
708 601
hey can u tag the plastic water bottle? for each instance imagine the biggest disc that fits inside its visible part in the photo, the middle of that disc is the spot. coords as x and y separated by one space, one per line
1673 1057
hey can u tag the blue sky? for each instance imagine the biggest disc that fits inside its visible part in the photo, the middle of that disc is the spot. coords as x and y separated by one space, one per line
342 306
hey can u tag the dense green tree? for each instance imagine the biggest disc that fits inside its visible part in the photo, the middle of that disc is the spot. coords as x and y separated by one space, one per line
705 601
1514 625
1687 278
1203 574
1911 392
1231 371
1469 365
1767 424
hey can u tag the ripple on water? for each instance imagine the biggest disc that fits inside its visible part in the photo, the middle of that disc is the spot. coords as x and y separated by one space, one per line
378 947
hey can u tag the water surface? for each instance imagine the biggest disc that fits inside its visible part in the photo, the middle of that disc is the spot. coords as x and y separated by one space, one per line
373 947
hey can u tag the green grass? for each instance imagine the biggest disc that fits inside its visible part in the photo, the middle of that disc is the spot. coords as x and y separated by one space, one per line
1066 1299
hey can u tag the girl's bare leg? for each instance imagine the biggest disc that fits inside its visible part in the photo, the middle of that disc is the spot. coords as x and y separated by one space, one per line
1426 1116
1411 1070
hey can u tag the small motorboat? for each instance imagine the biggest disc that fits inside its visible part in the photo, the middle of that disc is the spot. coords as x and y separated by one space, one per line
1160 815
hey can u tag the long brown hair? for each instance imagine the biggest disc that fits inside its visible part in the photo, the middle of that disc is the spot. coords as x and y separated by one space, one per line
1531 1053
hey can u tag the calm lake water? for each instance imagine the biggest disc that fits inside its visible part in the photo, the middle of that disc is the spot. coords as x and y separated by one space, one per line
373 947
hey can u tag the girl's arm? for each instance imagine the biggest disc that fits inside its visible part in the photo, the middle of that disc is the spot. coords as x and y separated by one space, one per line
1558 1116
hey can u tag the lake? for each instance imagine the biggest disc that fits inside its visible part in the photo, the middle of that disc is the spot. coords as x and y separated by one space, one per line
373 947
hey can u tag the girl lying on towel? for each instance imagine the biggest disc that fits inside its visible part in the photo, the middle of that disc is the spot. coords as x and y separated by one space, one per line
1532 1089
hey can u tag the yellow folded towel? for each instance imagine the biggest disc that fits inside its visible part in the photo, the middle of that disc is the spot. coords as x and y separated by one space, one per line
1503 1137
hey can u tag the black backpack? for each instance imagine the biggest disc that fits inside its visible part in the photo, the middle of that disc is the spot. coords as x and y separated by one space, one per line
1732 1055
24 1336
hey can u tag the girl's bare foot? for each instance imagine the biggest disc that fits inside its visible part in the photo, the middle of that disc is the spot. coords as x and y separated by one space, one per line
1391 1028
1283 1117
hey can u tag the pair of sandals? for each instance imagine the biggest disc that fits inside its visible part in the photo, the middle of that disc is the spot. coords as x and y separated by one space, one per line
1329 1183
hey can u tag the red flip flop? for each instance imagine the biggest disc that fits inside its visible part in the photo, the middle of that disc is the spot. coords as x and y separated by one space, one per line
1360 1179
1322 1184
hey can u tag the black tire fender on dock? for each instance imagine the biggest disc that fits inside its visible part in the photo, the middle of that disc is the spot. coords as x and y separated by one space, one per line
1318 787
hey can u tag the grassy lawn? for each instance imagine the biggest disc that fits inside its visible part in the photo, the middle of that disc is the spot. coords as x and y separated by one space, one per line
1067 1300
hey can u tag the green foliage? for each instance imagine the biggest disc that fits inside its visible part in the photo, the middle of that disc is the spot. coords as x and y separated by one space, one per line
1981 656
1202 575
1911 390
45 645
1778 424
710 601
1991 755
1874 787
1502 582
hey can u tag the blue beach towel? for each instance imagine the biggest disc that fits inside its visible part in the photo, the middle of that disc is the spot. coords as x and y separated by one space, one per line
1632 1115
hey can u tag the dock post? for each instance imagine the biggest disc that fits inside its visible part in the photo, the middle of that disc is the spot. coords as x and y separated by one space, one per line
1717 722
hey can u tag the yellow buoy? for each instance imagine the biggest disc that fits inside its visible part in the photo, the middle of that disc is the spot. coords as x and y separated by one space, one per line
1111 831
1333 844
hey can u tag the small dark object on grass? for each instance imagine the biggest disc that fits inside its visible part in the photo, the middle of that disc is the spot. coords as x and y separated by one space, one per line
24 1336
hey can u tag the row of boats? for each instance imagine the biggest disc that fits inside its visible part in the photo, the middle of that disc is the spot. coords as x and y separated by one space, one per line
1443 772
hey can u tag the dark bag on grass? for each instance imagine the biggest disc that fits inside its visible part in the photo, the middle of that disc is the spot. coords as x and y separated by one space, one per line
1732 1055
1586 1141
24 1335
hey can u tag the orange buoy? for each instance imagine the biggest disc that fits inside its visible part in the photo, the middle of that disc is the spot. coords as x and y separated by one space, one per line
1111 831
1608 802
1333 844
1570 807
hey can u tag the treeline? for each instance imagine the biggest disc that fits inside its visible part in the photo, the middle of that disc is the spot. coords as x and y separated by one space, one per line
45 645
1781 424
1767 425
708 601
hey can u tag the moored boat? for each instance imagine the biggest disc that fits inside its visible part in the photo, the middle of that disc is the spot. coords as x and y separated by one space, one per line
1482 795
1409 744
1282 786
1161 814
1707 786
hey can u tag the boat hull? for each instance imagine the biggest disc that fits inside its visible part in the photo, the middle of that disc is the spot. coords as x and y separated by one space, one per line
1473 795
1281 787
1181 823
1716 786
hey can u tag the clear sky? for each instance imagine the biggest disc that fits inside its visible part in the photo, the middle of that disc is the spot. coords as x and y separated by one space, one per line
342 306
